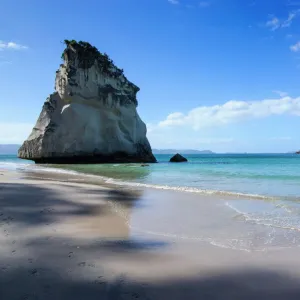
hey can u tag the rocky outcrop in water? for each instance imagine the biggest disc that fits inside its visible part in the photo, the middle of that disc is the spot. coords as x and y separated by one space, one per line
178 158
91 117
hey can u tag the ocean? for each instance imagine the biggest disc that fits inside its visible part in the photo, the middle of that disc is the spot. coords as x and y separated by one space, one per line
256 175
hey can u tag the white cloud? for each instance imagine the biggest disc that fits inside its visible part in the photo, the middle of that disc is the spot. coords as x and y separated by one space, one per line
11 46
296 47
14 133
201 4
168 137
230 112
281 93
288 21
275 23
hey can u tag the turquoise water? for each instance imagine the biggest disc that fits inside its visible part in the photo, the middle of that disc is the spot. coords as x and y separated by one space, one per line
271 175
11 162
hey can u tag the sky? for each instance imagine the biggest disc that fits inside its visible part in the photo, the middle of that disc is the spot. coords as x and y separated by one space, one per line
222 75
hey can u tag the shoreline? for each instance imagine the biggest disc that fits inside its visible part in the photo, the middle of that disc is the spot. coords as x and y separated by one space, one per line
68 240
196 177
48 169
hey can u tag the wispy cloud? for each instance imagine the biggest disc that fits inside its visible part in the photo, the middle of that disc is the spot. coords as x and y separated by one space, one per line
288 21
204 4
281 93
280 138
11 46
275 23
295 47
201 4
230 112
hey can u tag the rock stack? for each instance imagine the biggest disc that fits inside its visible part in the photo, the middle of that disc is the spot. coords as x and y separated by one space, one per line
91 117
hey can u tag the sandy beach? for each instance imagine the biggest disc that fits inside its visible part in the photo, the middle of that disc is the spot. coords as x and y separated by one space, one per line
65 238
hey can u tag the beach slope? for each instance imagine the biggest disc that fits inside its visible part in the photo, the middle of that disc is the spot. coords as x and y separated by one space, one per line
62 238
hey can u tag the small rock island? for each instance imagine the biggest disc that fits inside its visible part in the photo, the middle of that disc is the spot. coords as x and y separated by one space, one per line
91 117
178 158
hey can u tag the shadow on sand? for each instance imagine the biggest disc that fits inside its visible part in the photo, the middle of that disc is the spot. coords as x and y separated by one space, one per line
41 278
47 283
30 204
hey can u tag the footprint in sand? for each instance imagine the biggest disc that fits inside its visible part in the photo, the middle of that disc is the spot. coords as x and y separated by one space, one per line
4 268
47 210
7 220
135 295
83 264
99 280
34 272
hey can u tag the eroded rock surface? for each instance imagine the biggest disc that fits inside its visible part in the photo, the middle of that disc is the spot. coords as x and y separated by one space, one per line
91 117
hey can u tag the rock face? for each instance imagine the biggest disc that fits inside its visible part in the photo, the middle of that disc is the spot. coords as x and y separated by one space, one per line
91 117
178 158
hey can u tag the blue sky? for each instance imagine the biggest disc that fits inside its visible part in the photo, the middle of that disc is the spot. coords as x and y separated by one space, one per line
217 74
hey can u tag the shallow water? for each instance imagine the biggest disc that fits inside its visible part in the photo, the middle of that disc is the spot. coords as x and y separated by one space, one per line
258 226
268 175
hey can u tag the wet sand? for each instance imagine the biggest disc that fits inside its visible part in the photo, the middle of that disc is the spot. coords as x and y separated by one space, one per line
62 237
